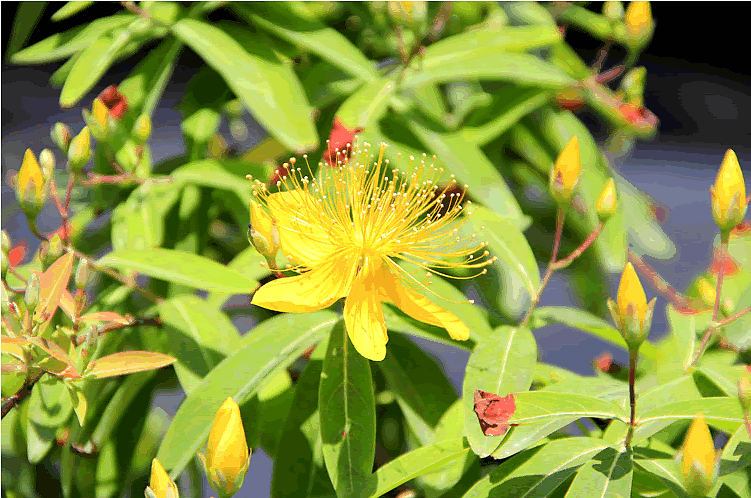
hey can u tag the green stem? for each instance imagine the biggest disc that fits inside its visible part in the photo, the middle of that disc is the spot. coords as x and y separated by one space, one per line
725 236
632 356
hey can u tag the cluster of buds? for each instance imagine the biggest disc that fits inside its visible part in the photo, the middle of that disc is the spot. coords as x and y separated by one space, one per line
728 194
160 485
227 453
631 313
698 460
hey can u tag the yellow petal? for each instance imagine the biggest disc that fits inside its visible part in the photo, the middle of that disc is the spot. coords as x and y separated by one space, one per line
631 291
311 291
30 176
304 229
698 447
423 309
363 314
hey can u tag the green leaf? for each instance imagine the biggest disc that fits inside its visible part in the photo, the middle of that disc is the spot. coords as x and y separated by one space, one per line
182 268
653 391
201 125
469 164
587 322
273 345
538 471
607 475
70 9
326 42
419 384
396 321
49 403
736 454
144 85
63 45
415 463
200 336
726 377
299 468
667 472
347 416
366 105
27 17
738 332
267 88
486 63
501 364
247 262
723 413
540 407
509 245
138 223
127 362
604 387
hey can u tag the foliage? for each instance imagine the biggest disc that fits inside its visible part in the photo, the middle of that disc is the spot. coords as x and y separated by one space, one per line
492 90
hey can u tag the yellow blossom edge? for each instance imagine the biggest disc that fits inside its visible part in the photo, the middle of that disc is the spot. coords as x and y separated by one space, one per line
347 230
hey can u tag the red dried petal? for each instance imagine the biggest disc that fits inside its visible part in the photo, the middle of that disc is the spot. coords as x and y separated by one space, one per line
731 267
17 253
108 94
493 412
339 137
117 110
604 361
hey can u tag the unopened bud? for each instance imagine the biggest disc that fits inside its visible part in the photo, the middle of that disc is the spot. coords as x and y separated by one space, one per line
630 311
744 393
82 273
5 242
79 152
632 86
100 115
142 128
160 485
565 173
638 21
613 10
56 248
227 453
607 203
31 296
61 136
729 193
47 162
698 459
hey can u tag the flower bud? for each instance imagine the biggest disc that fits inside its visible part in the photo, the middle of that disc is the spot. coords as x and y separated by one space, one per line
632 86
30 185
61 136
5 264
79 152
5 242
607 203
698 459
47 162
56 249
729 194
160 485
744 393
613 10
31 295
262 231
638 20
227 453
630 311
142 128
82 274
565 173
706 290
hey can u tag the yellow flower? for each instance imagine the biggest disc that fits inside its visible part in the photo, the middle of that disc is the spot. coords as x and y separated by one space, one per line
698 460
160 484
607 202
729 193
630 292
345 232
565 173
638 17
227 453
30 179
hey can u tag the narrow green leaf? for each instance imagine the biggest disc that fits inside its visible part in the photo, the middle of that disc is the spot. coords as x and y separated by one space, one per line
724 412
366 105
539 407
605 388
506 39
726 377
419 384
70 9
267 88
199 336
469 164
182 268
347 416
653 391
509 245
63 45
27 17
596 326
607 475
666 470
127 362
247 262
415 463
538 471
273 345
501 365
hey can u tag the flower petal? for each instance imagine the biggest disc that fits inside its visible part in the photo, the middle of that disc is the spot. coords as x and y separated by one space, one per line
363 314
423 309
311 291
303 227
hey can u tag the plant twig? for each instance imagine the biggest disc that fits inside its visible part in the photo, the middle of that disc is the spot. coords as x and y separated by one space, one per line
579 250
632 356
710 331
21 395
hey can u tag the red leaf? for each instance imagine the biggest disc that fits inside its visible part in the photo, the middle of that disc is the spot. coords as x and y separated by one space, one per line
493 412
17 253
338 139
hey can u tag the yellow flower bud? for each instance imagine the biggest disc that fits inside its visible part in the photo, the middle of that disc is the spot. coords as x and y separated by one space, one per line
631 313
30 184
607 203
160 485
565 173
142 128
61 135
698 458
79 151
729 193
613 10
630 292
227 452
638 17
101 114
263 233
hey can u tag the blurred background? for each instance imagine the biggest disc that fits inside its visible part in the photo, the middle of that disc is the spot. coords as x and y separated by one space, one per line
697 85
